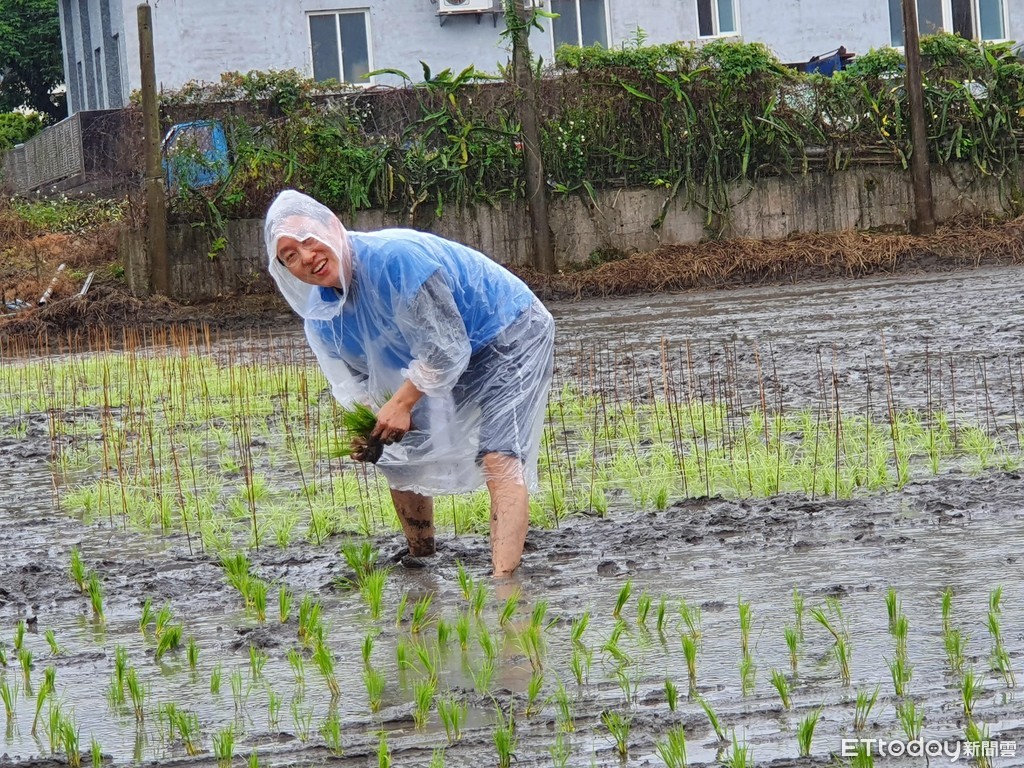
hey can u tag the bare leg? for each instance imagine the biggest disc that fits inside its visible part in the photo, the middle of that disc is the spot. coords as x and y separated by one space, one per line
416 513
510 511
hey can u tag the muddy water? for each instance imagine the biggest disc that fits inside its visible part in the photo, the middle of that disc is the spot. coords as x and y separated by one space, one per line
957 530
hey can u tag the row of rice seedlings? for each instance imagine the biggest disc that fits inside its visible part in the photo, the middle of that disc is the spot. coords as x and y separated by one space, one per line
900 668
723 453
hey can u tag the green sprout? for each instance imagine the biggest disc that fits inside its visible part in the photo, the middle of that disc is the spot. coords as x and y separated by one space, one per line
672 749
578 627
215 677
620 601
95 589
453 713
330 730
865 703
324 661
421 618
740 755
671 695
508 610
284 603
224 745
782 686
690 644
79 574
713 719
192 652
51 640
911 719
805 732
619 727
505 739
374 682
793 644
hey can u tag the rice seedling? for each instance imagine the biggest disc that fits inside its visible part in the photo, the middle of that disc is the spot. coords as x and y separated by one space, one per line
298 666
254 759
893 607
367 648
911 719
564 719
274 701
51 641
465 581
841 651
258 598
284 604
782 686
429 659
452 712
383 751
96 753
239 691
560 751
716 724
330 730
52 727
792 637
841 648
462 630
310 621
79 574
578 627
662 614
421 617
168 641
437 759
532 642
487 643
25 660
192 652
137 694
690 644
900 671
362 559
623 598
302 721
947 609
981 744
505 738
375 683
691 616
95 589
189 729
215 679
671 695
798 613
482 677
324 661
746 621
739 755
372 590
147 616
479 599
955 644
9 696
862 711
533 690
900 631
580 663
257 660
224 745
19 635
672 749
628 684
619 727
538 614
971 688
643 608
46 692
511 605
162 620
862 757
805 732
748 674
3 656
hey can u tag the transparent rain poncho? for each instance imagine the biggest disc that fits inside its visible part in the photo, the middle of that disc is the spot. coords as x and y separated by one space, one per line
412 306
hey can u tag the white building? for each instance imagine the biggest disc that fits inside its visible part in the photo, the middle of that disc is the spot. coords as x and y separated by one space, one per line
345 39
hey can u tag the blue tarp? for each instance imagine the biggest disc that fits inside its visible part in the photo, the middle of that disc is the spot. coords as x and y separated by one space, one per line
195 155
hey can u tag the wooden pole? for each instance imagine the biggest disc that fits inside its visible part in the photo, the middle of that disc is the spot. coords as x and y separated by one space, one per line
924 211
156 197
536 184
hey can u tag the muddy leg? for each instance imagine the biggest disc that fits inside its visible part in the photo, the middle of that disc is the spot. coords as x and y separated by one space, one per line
416 513
510 511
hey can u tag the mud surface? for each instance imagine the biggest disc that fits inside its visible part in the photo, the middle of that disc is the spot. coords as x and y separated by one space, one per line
943 335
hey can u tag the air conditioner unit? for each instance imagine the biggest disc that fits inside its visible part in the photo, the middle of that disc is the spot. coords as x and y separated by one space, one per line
464 6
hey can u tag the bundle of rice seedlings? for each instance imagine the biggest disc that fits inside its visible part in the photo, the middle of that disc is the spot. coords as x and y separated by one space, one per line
358 423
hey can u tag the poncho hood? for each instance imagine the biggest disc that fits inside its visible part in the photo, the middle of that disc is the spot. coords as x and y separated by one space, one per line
293 214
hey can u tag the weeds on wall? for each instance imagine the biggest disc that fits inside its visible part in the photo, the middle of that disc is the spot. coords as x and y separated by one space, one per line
701 123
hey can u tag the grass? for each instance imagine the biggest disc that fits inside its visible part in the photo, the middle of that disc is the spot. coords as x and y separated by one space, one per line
672 748
805 732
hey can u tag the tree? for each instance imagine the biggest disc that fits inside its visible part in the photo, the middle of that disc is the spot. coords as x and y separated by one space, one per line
31 61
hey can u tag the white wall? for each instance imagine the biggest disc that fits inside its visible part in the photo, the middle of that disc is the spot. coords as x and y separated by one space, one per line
201 39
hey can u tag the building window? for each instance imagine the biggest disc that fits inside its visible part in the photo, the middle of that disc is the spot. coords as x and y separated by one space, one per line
716 17
970 19
579 22
341 46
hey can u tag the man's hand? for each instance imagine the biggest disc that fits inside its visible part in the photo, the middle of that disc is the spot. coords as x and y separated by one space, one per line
394 418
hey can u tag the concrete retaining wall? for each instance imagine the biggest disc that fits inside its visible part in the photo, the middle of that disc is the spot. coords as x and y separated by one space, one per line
621 221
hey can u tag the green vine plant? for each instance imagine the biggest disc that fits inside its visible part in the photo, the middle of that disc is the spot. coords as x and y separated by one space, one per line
703 124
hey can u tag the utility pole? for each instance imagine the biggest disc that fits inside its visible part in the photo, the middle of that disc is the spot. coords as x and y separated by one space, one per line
536 184
924 211
156 198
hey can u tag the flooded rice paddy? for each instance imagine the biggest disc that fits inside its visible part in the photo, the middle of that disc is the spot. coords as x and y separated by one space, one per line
758 508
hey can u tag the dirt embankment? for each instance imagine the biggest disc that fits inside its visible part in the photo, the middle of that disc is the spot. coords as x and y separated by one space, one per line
30 260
